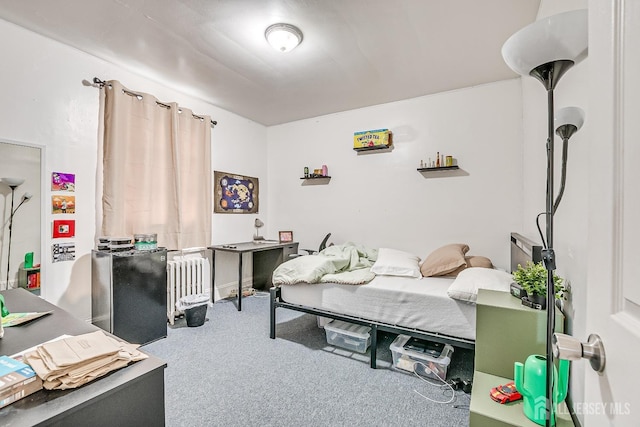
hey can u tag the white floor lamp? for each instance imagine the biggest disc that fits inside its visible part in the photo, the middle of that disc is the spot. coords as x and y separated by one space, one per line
546 49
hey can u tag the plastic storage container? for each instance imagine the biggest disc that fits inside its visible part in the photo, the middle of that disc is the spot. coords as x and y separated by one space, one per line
146 242
425 358
348 335
322 321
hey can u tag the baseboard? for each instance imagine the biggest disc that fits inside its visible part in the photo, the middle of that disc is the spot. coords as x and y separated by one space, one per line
12 284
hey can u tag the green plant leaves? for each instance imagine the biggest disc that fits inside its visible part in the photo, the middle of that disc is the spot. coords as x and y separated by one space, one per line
533 279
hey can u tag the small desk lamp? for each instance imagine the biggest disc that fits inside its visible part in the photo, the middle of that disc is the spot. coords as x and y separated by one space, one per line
13 183
257 223
546 49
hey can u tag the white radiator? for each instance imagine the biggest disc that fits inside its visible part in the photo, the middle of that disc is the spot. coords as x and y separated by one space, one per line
187 275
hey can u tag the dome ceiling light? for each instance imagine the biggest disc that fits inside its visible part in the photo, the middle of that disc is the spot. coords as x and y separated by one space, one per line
283 37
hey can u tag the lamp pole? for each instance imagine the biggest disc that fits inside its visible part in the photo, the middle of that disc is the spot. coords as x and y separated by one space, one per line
549 259
13 190
549 74
26 197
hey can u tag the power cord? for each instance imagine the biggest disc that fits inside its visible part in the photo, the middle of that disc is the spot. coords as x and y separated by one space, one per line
465 406
261 294
465 386
452 385
444 384
544 243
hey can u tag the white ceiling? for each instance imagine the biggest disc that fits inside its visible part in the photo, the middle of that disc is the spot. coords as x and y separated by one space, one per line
355 53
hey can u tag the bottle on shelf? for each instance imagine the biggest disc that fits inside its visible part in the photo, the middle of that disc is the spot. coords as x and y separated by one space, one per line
438 159
306 172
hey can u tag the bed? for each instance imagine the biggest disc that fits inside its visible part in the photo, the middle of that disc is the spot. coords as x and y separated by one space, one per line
437 308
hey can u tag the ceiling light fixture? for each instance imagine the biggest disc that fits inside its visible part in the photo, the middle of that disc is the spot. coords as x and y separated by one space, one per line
283 37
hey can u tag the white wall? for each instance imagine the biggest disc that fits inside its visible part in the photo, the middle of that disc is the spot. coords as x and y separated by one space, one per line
44 102
570 221
379 199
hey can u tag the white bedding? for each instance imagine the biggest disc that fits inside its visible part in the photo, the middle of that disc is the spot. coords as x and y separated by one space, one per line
415 303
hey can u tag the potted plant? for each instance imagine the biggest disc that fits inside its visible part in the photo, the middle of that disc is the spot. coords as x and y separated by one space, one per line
533 279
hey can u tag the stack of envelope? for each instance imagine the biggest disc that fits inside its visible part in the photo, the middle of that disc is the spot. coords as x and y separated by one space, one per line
73 361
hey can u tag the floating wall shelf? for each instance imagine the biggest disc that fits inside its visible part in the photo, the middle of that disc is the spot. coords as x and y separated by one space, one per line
315 177
376 147
442 168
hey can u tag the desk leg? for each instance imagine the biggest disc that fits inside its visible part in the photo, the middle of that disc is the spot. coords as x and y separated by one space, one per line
374 345
213 274
240 281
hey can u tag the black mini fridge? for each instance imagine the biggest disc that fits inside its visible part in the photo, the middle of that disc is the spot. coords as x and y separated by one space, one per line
129 294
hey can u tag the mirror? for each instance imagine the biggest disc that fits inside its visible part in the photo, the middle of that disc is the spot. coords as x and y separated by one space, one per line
21 161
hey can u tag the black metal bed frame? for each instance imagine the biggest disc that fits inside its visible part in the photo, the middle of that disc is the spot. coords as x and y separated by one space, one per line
277 301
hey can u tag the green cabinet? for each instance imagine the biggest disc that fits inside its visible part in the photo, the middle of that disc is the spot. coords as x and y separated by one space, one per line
506 332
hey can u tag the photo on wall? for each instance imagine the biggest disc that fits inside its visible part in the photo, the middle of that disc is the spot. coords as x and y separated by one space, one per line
64 228
63 252
235 193
63 181
285 236
63 204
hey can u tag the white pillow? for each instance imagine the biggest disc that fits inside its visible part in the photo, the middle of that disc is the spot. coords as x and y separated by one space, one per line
392 262
465 286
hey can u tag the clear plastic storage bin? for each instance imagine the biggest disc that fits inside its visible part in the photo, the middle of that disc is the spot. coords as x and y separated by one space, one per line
425 358
348 335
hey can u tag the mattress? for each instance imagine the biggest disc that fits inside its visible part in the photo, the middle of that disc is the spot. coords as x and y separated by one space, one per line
421 304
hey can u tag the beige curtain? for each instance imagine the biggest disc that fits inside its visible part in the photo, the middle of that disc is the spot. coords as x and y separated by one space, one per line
156 161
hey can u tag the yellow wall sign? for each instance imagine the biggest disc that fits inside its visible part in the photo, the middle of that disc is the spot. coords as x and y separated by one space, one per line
372 138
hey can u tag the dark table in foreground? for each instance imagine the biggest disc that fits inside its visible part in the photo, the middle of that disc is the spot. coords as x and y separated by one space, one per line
267 255
133 395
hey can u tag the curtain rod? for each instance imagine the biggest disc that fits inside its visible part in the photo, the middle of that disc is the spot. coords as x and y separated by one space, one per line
102 83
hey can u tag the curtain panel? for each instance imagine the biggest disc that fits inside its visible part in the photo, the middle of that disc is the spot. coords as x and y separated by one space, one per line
156 169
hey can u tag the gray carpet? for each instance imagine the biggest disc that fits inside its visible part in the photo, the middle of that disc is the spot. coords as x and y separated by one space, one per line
228 372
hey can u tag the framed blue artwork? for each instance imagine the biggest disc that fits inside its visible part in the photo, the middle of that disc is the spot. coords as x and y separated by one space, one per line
235 193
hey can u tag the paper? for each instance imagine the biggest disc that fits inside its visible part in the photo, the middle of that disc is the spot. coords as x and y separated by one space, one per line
14 319
78 349
19 355
73 361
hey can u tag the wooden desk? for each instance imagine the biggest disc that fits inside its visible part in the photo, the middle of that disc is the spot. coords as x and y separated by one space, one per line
267 255
133 395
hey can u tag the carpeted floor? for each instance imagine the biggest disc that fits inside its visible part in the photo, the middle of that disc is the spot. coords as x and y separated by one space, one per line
228 372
